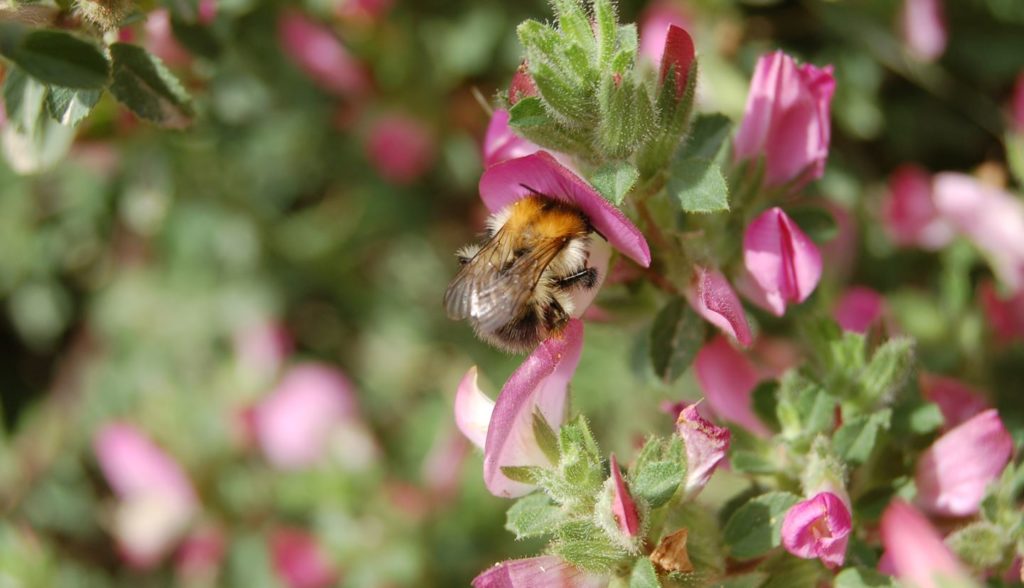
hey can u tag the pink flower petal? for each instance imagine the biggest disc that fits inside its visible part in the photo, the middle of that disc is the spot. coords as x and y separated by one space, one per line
923 28
522 85
914 550
909 213
623 507
782 261
706 448
506 182
299 562
712 297
501 143
545 571
315 49
1005 316
678 56
818 527
541 383
472 409
954 472
728 379
654 26
133 465
858 308
401 148
160 39
957 401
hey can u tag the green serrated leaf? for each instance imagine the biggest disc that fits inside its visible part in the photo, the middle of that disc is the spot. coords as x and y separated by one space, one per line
862 578
658 470
606 30
855 439
626 113
68 106
142 83
23 98
584 545
699 186
533 516
890 368
709 134
574 23
54 57
756 527
614 180
32 140
547 440
643 575
676 336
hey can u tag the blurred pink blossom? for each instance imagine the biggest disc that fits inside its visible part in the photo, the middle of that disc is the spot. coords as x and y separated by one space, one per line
442 468
207 11
956 400
401 148
818 527
160 39
369 11
199 556
954 472
298 560
858 309
1005 315
787 120
262 347
728 379
546 571
713 298
501 143
654 25
314 48
914 550
1017 105
706 448
783 264
923 28
839 253
909 213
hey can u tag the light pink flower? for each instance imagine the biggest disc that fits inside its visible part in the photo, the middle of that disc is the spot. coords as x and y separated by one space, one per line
156 500
200 555
839 253
1017 105
957 401
207 11
442 468
654 25
540 383
787 119
706 448
160 39
923 28
1005 315
954 472
504 183
298 560
713 298
262 347
623 508
728 379
546 571
858 309
501 143
400 148
818 527
783 264
914 551
315 49
991 218
679 56
472 409
909 213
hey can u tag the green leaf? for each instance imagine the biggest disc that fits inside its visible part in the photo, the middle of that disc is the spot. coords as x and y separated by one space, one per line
1015 155
855 439
614 180
750 462
862 578
890 368
528 112
197 38
756 527
32 140
786 571
23 99
606 30
699 186
981 544
765 401
659 470
818 223
534 515
707 139
676 336
574 23
54 57
524 474
626 113
531 120
142 83
584 545
68 106
643 575
546 438
804 408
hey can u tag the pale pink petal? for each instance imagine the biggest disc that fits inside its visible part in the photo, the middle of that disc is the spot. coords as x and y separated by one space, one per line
654 25
442 468
909 213
706 448
299 561
953 474
133 465
914 551
540 383
160 39
858 309
263 346
472 409
623 507
818 527
546 571
923 28
315 49
200 555
501 143
400 148
782 261
957 401
506 182
679 56
728 379
713 298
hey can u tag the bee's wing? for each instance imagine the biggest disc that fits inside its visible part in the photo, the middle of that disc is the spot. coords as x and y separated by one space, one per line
491 294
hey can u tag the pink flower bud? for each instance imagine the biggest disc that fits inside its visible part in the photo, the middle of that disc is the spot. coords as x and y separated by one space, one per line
713 298
818 527
546 571
678 57
787 119
501 144
654 28
1005 315
1017 105
914 551
991 218
783 264
299 562
706 448
957 401
909 213
954 472
858 309
923 28
728 379
522 85
400 148
623 508
315 49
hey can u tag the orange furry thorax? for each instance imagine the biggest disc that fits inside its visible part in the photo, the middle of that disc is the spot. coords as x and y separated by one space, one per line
540 218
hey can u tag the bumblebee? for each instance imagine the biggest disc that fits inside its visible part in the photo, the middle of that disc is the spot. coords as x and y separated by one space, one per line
516 288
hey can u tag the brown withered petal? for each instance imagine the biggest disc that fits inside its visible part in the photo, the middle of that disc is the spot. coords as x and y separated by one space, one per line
671 555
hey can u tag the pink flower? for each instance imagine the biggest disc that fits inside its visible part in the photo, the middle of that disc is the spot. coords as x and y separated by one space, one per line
501 143
957 401
923 28
914 551
400 148
678 57
160 39
442 468
712 297
706 448
654 28
315 49
207 11
818 527
954 472
991 218
504 183
909 213
728 379
473 409
262 347
1005 315
199 557
156 501
1017 105
858 309
364 10
624 511
299 562
787 119
546 571
783 264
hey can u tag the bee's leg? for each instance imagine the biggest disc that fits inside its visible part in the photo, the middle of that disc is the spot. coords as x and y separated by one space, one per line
585 278
555 316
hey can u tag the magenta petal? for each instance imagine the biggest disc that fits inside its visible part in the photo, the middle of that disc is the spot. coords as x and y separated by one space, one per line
541 382
954 472
315 49
957 401
678 55
727 379
914 550
623 507
1005 316
134 465
780 258
546 571
506 182
713 298
706 448
818 528
472 409
909 212
858 309
401 148
299 561
923 28
501 143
